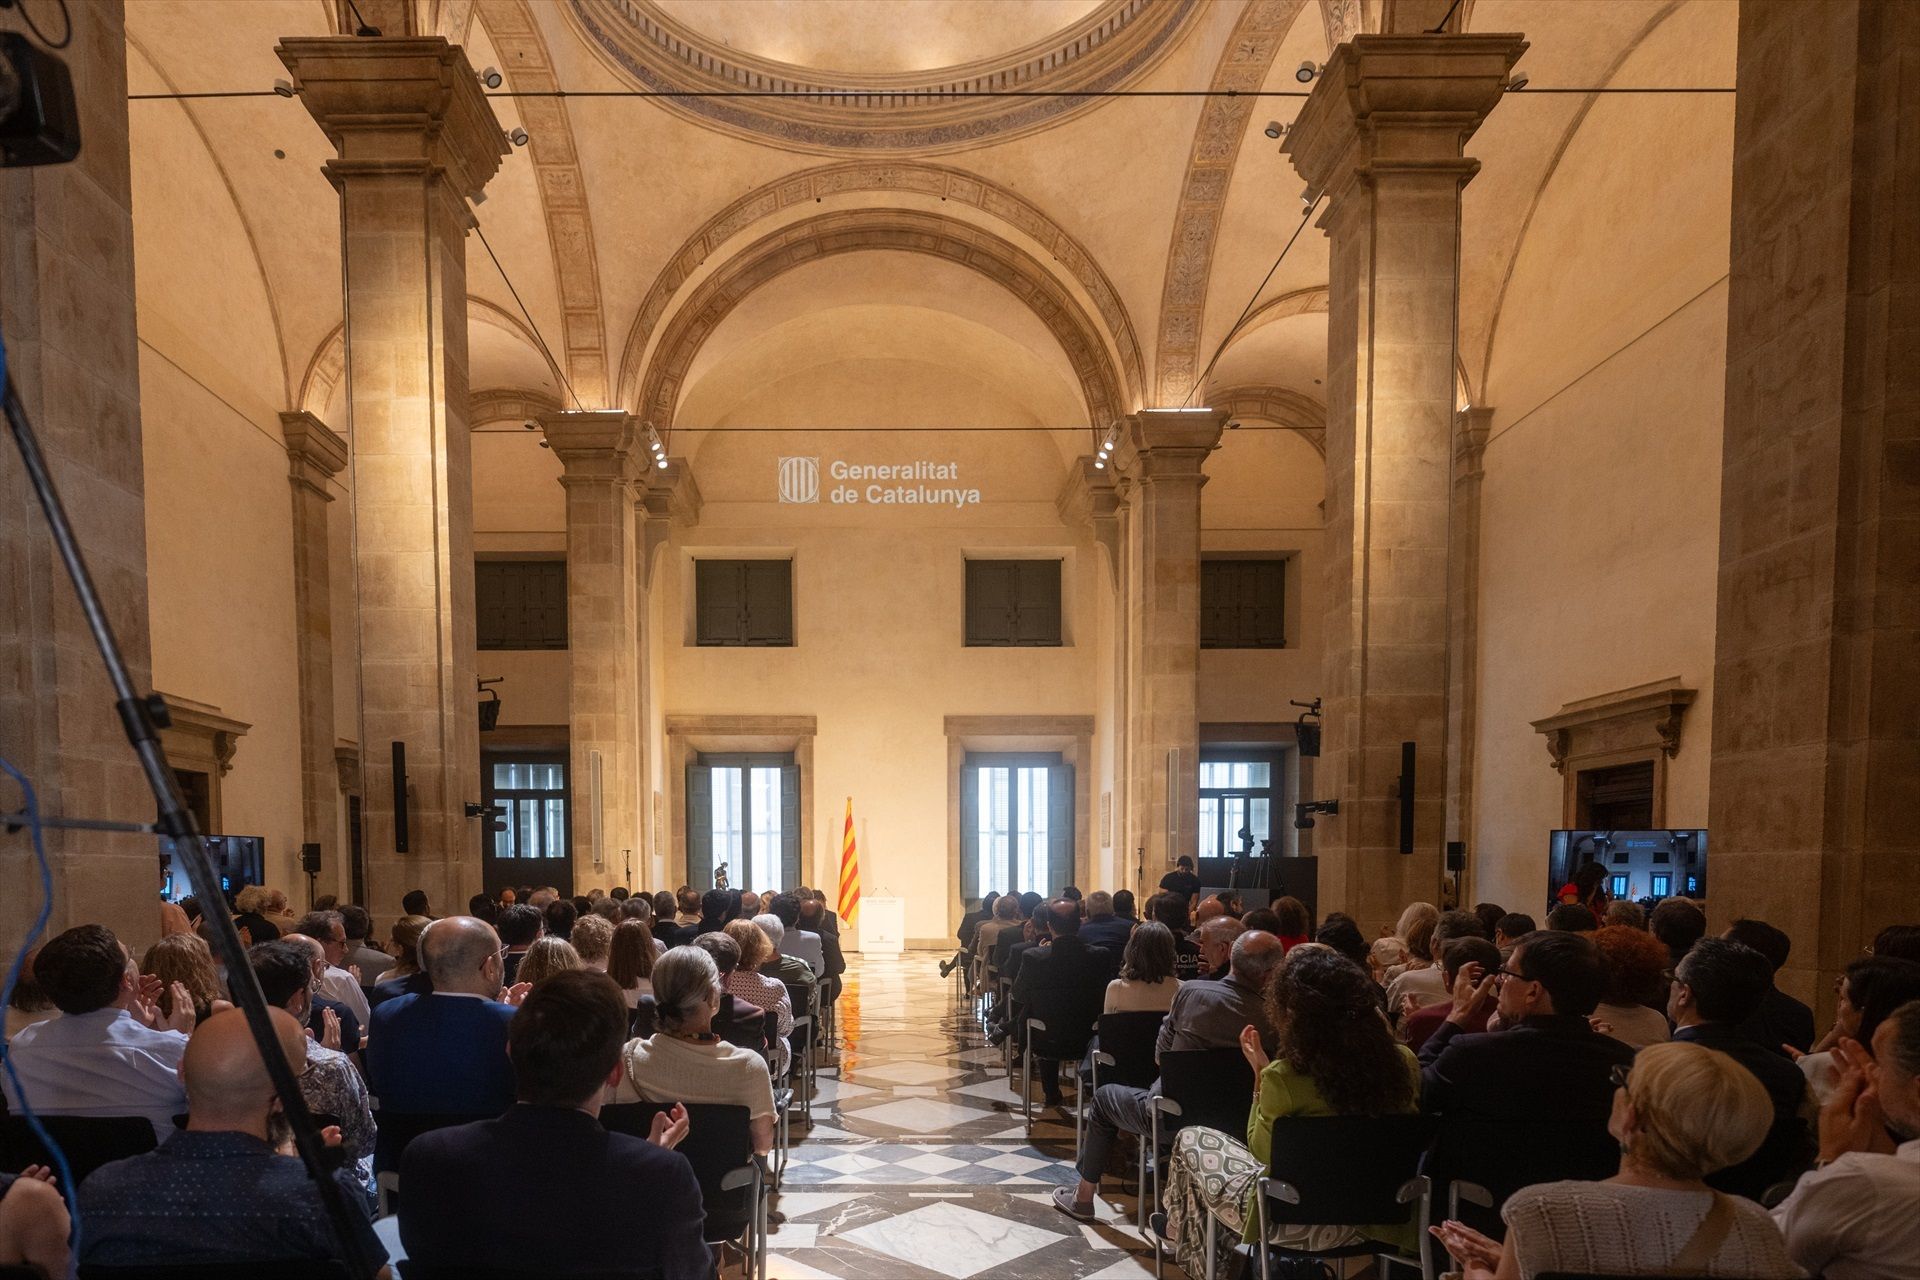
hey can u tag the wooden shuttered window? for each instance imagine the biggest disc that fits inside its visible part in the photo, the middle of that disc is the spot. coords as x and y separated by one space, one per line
520 604
744 602
1013 603
1243 604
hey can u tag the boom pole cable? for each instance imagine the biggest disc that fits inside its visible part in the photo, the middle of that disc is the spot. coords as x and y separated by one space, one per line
1248 309
533 328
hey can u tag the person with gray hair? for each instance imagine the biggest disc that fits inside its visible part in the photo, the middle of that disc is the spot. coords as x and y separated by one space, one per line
788 968
445 1052
684 1061
1215 939
1103 928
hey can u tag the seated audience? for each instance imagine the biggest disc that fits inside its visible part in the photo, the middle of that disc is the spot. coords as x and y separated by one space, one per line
763 991
630 961
684 1061
1682 1113
405 977
803 944
717 906
185 958
330 1083
1204 1015
251 909
561 913
687 900
1213 941
790 970
592 939
112 1052
1006 915
1780 1019
1548 1064
328 1017
520 926
1423 983
33 1222
1263 919
1490 914
1123 906
815 918
565 1046
737 1021
1146 983
414 903
664 907
547 956
1853 1217
1513 926
29 1003
370 960
1415 931
969 925
1898 942
1296 924
1679 924
444 1053
482 907
219 1191
329 929
1572 917
1341 932
1211 908
1716 988
1418 1023
1334 1057
1872 987
1067 979
1636 966
1102 928
1622 912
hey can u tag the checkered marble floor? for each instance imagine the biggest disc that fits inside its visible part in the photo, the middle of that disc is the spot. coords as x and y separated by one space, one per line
919 1164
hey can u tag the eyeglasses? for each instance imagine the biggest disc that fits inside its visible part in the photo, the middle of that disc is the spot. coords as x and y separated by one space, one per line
1619 1075
1504 974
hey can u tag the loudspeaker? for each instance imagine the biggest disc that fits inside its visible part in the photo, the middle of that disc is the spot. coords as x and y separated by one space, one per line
1456 855
400 797
1309 735
1406 797
310 859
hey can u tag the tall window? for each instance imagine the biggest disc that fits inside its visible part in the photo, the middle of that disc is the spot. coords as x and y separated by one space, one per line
1016 825
743 603
743 813
1243 603
1237 794
520 604
1013 603
527 840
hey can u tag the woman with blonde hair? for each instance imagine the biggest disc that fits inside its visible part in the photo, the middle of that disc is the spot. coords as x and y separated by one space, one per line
405 976
758 989
630 960
185 958
546 957
592 937
1680 1112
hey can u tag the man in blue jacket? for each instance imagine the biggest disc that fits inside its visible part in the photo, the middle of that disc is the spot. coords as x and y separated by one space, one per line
445 1052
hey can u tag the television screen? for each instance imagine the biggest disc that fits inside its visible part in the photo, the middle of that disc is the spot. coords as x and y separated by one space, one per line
1640 866
237 861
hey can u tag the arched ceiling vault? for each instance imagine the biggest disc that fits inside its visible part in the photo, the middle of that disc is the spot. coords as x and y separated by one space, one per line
1282 406
320 384
859 230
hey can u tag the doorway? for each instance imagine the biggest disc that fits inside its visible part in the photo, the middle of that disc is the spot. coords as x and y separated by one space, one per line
1239 792
1616 798
529 842
1016 825
743 822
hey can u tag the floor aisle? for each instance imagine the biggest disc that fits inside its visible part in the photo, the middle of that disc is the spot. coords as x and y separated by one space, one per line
919 1164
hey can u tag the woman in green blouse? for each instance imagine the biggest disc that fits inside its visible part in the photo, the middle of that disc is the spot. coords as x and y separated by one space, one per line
1336 1057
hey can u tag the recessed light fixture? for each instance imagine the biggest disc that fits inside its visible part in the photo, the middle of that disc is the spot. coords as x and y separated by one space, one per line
1518 83
491 77
1306 71
518 137
283 87
1275 129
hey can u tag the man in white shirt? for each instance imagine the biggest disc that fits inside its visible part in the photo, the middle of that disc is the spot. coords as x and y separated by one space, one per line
1853 1217
361 953
113 1053
330 931
797 942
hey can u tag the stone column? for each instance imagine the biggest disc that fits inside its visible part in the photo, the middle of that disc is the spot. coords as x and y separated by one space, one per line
1463 633
415 140
67 308
1161 455
603 641
1816 718
315 455
1382 139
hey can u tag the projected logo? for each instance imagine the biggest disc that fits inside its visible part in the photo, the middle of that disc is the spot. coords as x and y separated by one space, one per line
799 479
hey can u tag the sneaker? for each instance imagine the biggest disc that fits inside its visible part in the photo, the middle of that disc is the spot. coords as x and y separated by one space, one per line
1063 1201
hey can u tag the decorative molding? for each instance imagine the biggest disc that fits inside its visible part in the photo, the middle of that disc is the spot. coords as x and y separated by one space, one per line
743 726
1019 726
346 760
1282 406
315 454
1090 499
890 177
202 740
1343 19
328 364
1629 722
900 230
919 111
519 405
669 499
1242 70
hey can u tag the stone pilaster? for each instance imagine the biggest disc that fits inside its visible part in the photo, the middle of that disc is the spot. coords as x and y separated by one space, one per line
415 140
67 307
1162 452
1382 139
603 639
1463 631
315 455
1090 500
1816 705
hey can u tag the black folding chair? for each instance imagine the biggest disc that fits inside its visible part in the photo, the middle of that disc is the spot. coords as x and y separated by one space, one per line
805 999
1476 1164
733 1183
1212 1087
87 1142
1059 1026
1122 1054
1342 1171
261 1269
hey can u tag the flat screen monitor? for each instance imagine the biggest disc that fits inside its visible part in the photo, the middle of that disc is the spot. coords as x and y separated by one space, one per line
237 860
1641 866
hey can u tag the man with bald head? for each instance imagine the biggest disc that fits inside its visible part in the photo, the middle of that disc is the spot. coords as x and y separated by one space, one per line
445 1052
218 1191
320 1004
1215 939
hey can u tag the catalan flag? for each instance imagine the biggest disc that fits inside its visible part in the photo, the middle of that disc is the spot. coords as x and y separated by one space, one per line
849 871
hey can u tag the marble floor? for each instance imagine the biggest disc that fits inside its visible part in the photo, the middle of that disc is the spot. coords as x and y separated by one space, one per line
919 1165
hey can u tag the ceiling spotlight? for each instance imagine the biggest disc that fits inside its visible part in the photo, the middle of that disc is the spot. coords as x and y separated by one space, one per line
518 137
1306 71
529 426
660 463
1518 83
479 197
491 77
1100 464
283 87
1275 128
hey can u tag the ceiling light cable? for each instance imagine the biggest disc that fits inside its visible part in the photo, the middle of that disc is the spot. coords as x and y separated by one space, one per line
1248 309
531 326
927 95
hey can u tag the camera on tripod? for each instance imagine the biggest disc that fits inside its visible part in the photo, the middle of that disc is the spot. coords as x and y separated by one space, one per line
39 122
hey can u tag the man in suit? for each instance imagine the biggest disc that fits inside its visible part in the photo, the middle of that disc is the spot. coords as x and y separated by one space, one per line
352 1030
1063 984
520 927
1549 1064
737 1022
1104 928
564 1044
802 944
1780 1019
445 1053
1717 988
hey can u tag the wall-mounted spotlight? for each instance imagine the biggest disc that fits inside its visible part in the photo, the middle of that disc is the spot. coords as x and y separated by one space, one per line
1275 129
491 77
1304 811
283 87
1306 72
518 137
660 462
479 197
1518 83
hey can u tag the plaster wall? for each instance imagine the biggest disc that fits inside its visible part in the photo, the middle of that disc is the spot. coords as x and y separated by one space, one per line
1600 523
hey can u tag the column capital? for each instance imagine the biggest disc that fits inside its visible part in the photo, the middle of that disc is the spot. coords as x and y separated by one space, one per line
397 104
315 453
668 497
1470 428
1388 103
1090 499
595 444
1166 444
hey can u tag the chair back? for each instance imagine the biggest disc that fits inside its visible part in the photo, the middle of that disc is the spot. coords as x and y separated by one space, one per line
1071 1013
1128 1039
1347 1170
719 1142
1212 1087
1502 1157
800 996
87 1141
395 1129
276 1268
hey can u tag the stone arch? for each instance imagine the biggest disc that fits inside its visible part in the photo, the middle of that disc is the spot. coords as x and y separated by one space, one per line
892 178
1281 406
862 230
329 361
